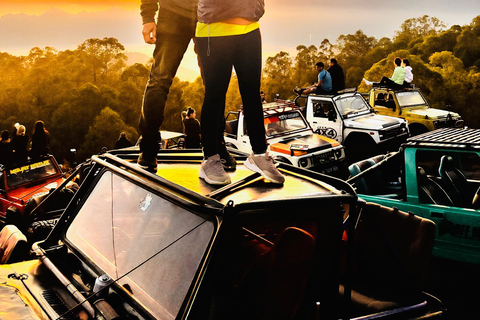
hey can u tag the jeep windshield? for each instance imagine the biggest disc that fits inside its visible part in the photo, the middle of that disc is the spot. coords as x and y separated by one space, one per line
352 105
31 172
285 123
141 240
410 99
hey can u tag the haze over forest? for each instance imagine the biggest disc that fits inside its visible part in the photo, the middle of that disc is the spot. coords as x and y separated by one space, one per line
77 78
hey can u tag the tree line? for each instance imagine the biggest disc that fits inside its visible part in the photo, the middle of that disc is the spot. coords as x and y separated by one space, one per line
87 96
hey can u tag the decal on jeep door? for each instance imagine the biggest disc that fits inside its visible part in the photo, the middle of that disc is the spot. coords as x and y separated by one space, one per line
327 132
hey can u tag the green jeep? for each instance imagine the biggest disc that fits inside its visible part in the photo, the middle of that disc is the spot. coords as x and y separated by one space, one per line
435 175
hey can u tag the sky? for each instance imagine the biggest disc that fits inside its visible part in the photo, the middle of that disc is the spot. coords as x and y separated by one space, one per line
64 24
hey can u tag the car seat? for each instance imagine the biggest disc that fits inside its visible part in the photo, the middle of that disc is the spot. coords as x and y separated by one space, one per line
390 260
13 245
273 286
456 185
429 191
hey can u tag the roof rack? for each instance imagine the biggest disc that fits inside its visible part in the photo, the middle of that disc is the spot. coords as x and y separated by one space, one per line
278 106
449 137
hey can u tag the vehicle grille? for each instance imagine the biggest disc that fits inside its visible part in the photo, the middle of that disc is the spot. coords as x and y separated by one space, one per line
57 304
388 134
324 158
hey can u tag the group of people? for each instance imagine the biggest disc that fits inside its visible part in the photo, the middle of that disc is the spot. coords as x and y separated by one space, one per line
329 81
402 76
226 36
14 149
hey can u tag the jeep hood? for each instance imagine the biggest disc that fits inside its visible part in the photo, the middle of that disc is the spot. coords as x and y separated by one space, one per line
373 122
431 113
306 144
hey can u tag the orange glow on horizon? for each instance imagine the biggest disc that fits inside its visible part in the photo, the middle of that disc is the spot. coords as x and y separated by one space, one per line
70 6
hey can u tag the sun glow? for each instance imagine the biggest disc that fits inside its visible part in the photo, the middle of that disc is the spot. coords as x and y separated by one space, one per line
70 6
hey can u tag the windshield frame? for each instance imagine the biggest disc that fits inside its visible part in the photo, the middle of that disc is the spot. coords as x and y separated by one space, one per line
281 120
366 108
142 298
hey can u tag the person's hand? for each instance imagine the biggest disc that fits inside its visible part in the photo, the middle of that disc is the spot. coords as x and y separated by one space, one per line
150 32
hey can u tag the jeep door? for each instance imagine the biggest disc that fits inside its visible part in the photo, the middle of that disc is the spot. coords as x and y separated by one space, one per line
325 119
458 226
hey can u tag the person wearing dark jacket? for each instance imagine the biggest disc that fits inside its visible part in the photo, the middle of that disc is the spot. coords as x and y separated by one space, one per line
40 141
338 77
192 130
122 141
171 34
228 36
6 150
20 145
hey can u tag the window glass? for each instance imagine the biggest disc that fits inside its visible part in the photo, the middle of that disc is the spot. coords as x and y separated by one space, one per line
351 105
468 163
31 172
284 123
410 98
127 230
321 109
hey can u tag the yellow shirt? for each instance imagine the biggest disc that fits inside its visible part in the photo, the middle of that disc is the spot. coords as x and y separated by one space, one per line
222 29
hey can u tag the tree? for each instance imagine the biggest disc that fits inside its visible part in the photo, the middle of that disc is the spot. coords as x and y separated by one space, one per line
415 28
102 135
304 70
353 47
102 56
276 76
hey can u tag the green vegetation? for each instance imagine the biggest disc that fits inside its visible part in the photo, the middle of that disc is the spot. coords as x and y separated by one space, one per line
87 96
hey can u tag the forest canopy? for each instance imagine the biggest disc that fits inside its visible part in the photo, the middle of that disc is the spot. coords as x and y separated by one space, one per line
87 96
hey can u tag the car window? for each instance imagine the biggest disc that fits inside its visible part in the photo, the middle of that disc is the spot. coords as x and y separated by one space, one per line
321 109
467 162
410 99
151 244
287 122
352 105
31 172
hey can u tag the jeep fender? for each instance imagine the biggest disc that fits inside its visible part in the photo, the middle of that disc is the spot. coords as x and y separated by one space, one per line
282 159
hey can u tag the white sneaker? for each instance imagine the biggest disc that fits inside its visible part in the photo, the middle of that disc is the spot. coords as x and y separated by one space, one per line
369 83
265 166
212 171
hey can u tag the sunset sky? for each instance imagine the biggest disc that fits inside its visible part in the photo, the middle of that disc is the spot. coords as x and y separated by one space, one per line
64 24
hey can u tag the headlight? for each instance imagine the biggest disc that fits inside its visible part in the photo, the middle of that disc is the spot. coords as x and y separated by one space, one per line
303 162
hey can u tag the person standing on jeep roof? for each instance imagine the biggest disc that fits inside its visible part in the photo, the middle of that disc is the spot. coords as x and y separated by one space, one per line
228 35
338 77
324 84
171 35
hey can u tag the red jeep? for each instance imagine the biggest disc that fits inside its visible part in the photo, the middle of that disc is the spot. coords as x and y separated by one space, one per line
32 180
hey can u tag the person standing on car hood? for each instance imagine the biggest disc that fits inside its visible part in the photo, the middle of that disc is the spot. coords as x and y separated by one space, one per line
171 35
228 35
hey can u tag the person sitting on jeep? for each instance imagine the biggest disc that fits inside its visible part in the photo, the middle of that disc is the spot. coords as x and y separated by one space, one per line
323 85
395 81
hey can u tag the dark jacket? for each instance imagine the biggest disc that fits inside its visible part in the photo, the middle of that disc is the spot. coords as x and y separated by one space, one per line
123 142
338 77
210 11
20 145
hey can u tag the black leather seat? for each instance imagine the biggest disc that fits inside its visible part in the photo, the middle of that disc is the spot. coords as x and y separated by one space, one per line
456 185
430 191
